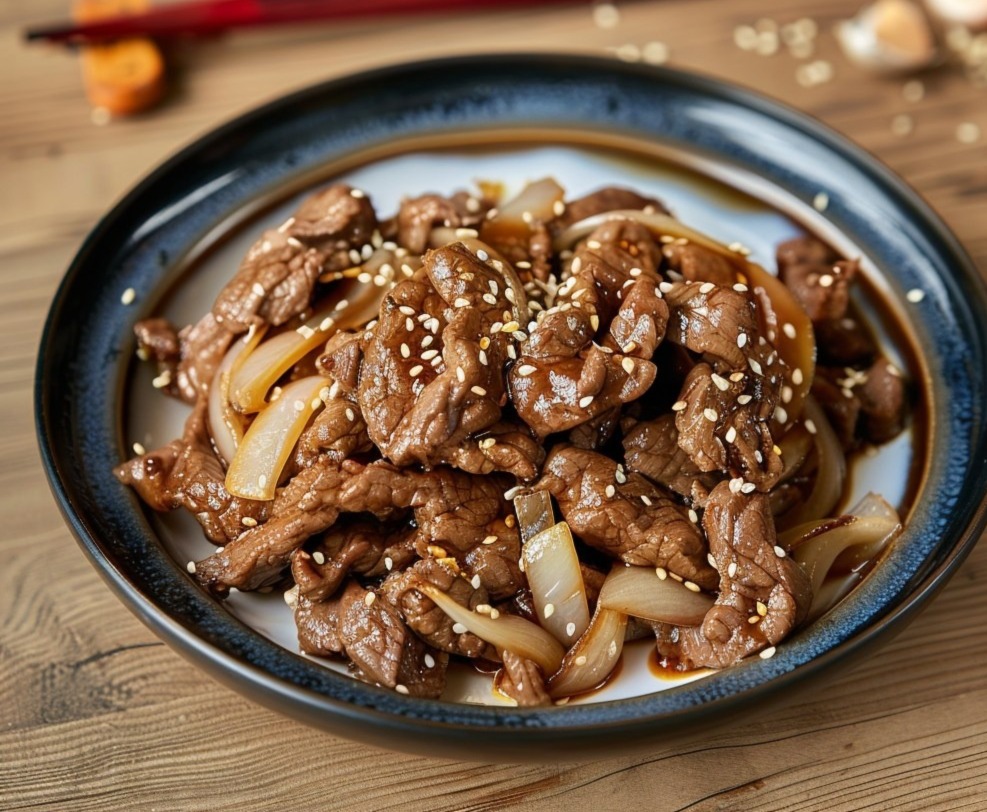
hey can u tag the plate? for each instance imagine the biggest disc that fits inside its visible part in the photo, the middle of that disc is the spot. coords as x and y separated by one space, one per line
726 160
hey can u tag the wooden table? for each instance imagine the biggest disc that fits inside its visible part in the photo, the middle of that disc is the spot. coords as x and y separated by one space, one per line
95 713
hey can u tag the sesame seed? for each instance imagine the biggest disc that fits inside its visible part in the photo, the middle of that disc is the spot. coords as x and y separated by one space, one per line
350 415
299 405
409 324
902 124
720 382
768 653
461 302
594 322
584 402
676 577
262 480
356 193
190 567
810 427
755 366
570 629
478 390
305 331
915 295
748 487
427 341
743 400
489 540
665 287
679 406
510 327
428 355
629 347
820 202
693 516
139 450
416 370
401 689
364 277
735 485
510 493
525 370
742 340
459 628
388 563
788 329
710 415
634 272
577 264
825 281
732 569
740 288
780 414
484 343
342 304
913 91
706 287
488 442
483 358
606 15
326 323
429 661
128 296
797 376
489 298
494 614
628 365
731 434
610 491
737 377
511 352
753 619
692 587
467 232
460 375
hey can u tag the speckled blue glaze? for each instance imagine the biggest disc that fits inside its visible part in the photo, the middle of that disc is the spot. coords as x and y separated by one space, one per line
87 343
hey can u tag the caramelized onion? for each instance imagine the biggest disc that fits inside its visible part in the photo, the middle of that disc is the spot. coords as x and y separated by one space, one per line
250 383
830 469
638 591
595 654
795 344
862 533
506 632
556 582
256 467
534 513
225 424
535 204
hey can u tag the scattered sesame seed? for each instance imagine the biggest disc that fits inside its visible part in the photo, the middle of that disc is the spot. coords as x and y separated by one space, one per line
629 347
494 614
748 487
299 405
781 415
357 193
350 414
549 610
737 377
459 628
511 352
478 390
139 450
735 485
820 202
755 366
594 322
525 370
679 406
720 382
427 342
786 394
488 442
429 661
732 569
825 281
190 567
570 629
606 15
693 516
915 295
742 340
610 491
692 587
416 370
489 298
461 302
768 653
305 331
581 659
489 540
753 619
388 563
780 551
706 287
510 327
710 415
810 427
363 277
482 356
628 365
128 296
731 434
460 375
342 304
162 380
797 377
584 402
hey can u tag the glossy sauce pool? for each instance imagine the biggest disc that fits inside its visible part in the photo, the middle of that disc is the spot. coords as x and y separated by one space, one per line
703 195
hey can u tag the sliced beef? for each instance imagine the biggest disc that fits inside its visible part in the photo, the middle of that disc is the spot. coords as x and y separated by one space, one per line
158 341
624 515
817 277
697 263
186 473
340 361
334 220
495 561
318 626
883 402
844 342
428 621
762 596
337 432
203 346
840 403
418 216
523 681
651 448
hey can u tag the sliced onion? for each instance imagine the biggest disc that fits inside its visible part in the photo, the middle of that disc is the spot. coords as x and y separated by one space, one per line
375 264
256 467
551 566
535 204
830 470
798 352
595 654
265 365
534 513
638 591
865 531
225 424
795 447
506 632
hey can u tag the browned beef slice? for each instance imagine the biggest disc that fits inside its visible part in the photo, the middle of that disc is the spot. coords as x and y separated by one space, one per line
372 633
640 323
597 431
721 433
524 682
428 621
340 361
742 541
611 515
318 626
817 277
157 341
651 448
883 403
495 561
275 283
186 473
418 216
843 342
426 391
422 669
203 346
338 432
697 263
334 219
841 405
610 198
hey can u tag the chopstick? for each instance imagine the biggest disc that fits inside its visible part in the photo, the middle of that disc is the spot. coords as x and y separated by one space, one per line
195 19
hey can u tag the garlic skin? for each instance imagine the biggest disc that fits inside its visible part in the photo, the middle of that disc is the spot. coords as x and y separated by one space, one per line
971 14
889 36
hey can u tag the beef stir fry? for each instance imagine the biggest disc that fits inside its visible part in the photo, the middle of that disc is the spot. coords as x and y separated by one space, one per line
520 432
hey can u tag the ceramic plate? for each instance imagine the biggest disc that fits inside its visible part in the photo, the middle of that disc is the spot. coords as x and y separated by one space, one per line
725 161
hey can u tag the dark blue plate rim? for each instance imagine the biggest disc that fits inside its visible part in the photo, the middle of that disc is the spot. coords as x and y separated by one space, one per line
468 92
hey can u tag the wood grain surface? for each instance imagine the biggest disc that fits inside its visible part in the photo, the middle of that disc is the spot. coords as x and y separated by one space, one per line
95 713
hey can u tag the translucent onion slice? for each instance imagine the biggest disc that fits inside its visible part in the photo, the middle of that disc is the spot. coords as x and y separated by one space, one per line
795 447
225 424
258 462
551 566
796 344
506 632
595 654
638 591
830 470
383 262
863 533
534 513
535 203
250 383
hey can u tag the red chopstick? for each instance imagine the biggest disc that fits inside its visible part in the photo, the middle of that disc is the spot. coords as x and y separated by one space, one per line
213 16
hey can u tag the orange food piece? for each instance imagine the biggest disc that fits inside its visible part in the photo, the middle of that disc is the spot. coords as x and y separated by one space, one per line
122 77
